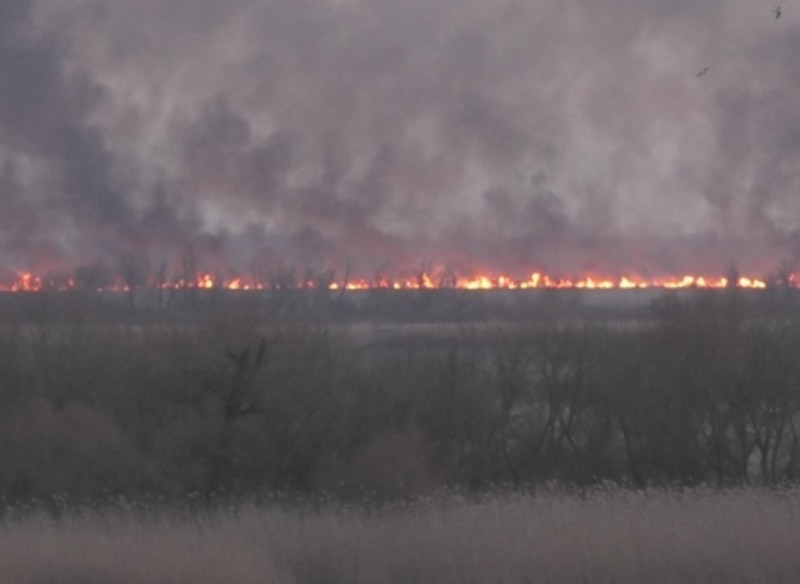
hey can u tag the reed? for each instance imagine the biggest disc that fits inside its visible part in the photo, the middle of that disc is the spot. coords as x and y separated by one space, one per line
606 536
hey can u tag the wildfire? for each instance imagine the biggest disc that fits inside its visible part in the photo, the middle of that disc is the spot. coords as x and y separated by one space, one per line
29 282
538 280
26 282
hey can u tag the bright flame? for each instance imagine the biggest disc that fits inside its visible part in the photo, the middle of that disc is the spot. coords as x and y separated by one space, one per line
26 281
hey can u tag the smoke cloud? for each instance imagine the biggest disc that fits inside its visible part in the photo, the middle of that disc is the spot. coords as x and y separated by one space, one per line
383 134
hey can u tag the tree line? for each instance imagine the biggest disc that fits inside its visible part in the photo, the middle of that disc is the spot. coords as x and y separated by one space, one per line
703 390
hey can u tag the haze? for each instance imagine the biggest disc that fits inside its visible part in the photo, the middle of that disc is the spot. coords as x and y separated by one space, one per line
513 136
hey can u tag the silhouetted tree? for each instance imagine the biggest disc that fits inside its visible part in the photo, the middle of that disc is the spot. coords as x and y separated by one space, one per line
134 270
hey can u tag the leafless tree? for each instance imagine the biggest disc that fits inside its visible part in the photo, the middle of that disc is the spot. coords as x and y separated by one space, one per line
134 270
238 396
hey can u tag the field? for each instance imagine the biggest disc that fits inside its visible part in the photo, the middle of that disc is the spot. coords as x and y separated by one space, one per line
604 536
534 440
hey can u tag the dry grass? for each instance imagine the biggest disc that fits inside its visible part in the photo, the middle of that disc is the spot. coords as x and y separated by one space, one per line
612 536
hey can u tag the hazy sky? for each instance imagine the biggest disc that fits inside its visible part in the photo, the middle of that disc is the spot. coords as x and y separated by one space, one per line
564 135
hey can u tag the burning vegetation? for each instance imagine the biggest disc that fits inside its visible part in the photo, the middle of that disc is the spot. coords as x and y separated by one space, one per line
30 282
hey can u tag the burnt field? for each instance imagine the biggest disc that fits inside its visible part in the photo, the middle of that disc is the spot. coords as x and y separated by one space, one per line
323 306
314 305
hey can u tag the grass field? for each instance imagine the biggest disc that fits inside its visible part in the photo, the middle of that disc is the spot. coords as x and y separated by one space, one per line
609 536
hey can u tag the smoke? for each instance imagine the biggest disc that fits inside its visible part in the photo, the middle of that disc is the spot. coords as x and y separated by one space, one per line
381 134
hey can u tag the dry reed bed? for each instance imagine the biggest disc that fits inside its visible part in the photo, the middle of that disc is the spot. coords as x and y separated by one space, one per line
614 536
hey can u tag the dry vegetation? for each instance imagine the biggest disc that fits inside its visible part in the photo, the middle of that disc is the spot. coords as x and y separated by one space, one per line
609 536
162 428
240 405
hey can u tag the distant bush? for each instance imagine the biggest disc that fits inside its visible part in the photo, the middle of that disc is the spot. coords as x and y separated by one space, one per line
702 389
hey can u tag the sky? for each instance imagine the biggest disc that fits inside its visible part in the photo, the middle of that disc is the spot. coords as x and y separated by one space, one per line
507 135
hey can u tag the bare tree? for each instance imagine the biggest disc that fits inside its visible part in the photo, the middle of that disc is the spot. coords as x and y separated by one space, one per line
134 270
238 396
282 285
189 278
160 281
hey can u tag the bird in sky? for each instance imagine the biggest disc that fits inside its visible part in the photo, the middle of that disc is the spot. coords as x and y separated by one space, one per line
703 72
778 12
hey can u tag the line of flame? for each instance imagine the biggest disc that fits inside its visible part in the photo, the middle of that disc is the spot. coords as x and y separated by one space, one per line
28 282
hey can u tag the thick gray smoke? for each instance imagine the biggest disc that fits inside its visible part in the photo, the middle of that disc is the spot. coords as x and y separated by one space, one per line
383 134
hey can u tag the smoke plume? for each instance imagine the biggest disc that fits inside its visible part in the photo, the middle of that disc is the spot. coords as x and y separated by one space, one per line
382 135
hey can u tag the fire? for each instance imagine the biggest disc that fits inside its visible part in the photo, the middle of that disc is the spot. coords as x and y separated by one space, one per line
26 281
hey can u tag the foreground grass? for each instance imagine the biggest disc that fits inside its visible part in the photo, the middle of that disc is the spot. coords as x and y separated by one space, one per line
742 536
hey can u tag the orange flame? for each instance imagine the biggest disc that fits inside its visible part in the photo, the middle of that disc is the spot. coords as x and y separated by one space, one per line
28 282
